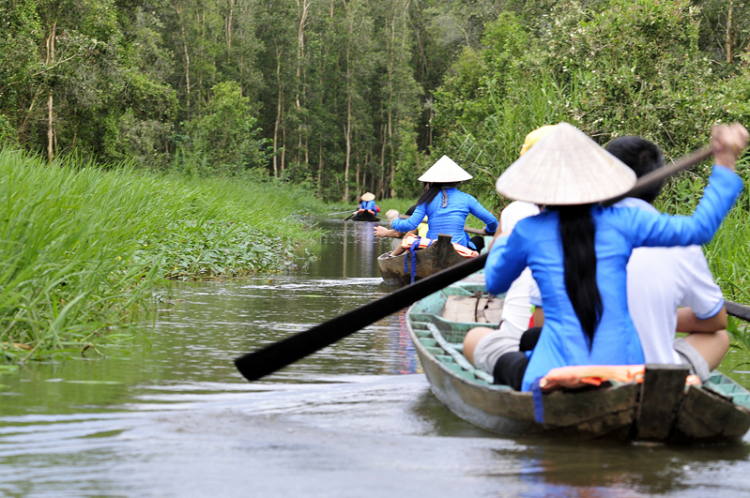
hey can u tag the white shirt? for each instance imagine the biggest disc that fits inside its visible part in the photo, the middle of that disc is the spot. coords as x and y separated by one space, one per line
660 280
516 307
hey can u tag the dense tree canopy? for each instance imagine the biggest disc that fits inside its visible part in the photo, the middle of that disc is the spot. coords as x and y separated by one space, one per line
352 95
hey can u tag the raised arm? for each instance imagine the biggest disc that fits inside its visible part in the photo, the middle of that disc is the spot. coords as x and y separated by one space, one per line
648 229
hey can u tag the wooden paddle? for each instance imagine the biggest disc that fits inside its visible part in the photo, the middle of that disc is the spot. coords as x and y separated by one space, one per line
341 212
738 310
276 356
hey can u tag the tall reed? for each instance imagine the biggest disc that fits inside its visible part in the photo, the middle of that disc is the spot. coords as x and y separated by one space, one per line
82 249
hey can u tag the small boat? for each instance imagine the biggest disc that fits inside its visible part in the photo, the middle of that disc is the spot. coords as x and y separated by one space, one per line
661 408
365 216
397 270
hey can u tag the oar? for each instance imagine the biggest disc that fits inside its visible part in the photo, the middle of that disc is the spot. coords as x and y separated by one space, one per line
660 174
349 217
341 212
276 356
738 310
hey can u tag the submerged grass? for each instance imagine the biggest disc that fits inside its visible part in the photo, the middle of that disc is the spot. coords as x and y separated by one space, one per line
82 248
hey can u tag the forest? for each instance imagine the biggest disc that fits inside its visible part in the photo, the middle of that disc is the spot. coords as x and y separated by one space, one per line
341 96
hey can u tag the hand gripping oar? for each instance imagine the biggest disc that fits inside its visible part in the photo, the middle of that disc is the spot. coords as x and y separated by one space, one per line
276 356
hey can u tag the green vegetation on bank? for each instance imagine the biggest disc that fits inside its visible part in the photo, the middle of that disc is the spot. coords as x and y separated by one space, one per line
83 248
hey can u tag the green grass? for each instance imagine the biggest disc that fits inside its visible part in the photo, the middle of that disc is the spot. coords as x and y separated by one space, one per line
83 248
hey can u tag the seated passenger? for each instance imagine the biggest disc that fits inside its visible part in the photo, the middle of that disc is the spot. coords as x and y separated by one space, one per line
578 250
368 204
661 279
447 207
381 231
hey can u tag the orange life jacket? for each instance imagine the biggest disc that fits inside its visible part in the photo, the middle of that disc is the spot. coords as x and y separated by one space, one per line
594 375
409 240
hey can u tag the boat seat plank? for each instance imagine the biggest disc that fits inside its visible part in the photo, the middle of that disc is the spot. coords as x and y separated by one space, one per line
460 309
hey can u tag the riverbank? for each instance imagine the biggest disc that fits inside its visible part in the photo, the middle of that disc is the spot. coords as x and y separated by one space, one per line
84 247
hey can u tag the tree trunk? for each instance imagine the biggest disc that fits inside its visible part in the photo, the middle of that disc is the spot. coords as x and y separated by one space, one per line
232 3
348 144
50 108
187 60
729 40
320 167
278 117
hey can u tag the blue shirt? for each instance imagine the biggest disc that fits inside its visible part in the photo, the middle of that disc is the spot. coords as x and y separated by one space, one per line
368 205
535 242
449 220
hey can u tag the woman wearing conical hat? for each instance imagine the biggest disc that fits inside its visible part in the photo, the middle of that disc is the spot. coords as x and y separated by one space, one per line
578 250
367 204
445 206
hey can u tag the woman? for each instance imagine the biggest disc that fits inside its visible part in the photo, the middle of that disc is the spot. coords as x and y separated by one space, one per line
578 250
367 204
445 206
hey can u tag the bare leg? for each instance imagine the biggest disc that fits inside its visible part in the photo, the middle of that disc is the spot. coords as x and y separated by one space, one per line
712 347
471 340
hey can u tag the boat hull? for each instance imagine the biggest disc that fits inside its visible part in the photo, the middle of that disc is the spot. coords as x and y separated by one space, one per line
365 216
659 409
430 260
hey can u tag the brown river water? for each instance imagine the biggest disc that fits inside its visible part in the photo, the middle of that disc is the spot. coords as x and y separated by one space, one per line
174 418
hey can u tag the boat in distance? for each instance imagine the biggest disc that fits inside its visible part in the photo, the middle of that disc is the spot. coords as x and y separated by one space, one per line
662 408
365 216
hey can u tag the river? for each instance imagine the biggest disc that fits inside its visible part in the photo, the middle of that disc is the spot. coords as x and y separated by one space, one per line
169 416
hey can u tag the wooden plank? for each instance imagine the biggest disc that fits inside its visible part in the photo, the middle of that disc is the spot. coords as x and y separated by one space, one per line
460 309
662 392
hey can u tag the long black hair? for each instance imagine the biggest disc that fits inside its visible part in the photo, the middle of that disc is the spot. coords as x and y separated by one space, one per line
577 231
432 190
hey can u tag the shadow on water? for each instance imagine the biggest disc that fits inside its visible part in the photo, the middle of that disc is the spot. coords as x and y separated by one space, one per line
357 419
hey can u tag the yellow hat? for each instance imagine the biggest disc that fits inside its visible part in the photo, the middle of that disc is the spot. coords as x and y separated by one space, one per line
534 137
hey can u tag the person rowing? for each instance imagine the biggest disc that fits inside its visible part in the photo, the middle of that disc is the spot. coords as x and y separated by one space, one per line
367 205
578 249
446 207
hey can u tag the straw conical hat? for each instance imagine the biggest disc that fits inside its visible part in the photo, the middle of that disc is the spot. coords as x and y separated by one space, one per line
564 168
367 197
445 171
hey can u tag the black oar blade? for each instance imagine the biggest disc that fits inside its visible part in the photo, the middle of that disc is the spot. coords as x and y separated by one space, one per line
738 310
258 364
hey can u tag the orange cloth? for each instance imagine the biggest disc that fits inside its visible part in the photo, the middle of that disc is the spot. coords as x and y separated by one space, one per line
594 375
464 251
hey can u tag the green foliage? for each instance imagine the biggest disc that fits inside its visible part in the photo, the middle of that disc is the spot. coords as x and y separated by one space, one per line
611 68
226 137
84 248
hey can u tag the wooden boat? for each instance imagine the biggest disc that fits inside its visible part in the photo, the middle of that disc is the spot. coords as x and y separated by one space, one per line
661 408
365 216
432 259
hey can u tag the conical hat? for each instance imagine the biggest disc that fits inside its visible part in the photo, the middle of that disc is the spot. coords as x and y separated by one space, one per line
564 168
367 196
445 171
